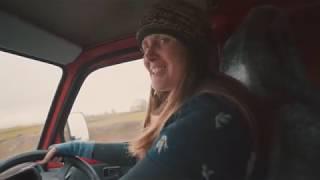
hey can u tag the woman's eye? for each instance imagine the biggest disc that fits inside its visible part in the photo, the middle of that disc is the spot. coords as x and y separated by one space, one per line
164 40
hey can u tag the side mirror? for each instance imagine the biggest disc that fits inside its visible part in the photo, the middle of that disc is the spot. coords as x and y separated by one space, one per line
76 128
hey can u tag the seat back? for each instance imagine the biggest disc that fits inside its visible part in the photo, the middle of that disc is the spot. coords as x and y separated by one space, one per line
264 56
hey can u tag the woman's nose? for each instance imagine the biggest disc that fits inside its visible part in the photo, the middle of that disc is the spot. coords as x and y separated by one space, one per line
149 54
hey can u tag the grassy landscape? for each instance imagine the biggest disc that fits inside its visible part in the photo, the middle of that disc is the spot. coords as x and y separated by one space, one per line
116 128
18 139
9 133
112 128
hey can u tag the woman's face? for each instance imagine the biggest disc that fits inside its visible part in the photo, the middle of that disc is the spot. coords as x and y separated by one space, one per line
165 59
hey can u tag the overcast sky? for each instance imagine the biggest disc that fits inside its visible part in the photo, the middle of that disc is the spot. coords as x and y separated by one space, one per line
27 88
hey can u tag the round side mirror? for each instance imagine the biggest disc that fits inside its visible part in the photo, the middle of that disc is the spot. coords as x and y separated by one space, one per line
77 128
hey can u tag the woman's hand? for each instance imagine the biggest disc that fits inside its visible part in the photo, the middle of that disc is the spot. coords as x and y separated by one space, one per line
50 155
71 148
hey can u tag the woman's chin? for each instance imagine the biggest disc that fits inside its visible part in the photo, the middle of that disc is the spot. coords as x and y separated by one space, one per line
160 88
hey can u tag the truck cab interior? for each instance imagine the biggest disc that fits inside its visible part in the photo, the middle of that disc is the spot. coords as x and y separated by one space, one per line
270 46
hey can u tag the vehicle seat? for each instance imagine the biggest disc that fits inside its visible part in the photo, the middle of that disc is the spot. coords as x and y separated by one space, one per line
263 54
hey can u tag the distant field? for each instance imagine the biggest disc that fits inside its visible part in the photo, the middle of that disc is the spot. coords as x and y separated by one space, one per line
6 134
18 139
113 128
117 128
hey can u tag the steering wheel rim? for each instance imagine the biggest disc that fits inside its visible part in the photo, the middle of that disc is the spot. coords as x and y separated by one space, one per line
39 154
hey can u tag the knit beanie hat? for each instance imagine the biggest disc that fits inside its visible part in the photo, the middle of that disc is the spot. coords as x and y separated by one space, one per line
180 19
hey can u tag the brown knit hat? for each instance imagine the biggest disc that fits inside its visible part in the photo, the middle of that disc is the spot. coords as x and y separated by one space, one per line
180 19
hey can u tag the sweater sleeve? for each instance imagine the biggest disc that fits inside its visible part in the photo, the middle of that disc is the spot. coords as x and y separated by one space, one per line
76 148
111 153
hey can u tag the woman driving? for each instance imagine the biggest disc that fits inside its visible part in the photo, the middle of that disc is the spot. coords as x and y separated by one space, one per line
195 128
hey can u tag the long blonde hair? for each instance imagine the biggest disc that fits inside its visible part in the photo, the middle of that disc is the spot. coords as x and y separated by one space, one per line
195 71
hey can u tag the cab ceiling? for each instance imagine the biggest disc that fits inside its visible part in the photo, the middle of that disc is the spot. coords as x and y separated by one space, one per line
79 24
83 22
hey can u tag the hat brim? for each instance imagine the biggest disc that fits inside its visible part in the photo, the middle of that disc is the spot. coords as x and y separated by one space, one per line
159 29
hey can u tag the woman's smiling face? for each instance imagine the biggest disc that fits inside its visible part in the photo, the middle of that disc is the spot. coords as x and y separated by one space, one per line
165 59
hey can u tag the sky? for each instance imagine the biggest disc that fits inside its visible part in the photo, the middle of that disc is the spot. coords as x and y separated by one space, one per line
28 87
113 88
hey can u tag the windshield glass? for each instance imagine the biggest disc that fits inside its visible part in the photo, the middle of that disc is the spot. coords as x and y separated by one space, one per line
112 103
27 90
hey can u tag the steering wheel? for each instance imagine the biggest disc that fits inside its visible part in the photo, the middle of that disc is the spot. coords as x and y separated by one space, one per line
69 161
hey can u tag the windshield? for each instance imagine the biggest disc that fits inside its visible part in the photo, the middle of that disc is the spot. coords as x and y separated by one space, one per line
27 90
112 102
